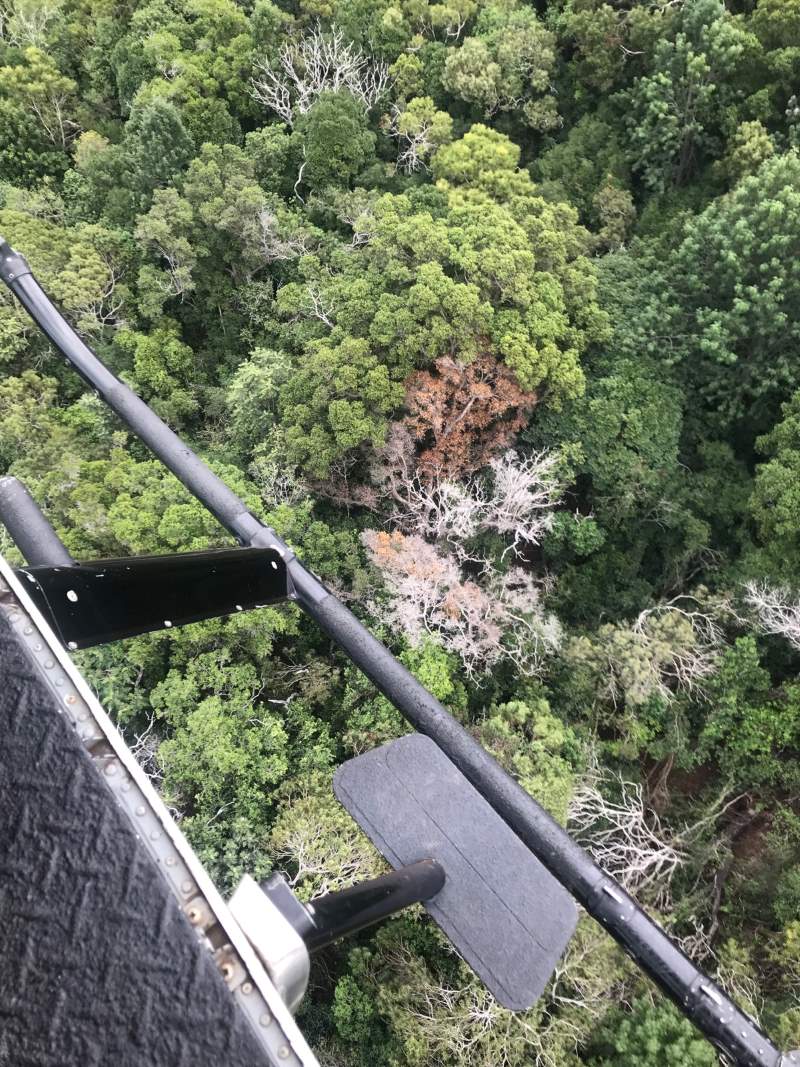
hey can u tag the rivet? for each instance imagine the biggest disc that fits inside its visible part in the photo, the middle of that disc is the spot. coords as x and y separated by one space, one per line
167 623
126 787
71 645
274 565
70 698
37 647
266 1019
28 630
170 861
283 1052
111 768
84 717
141 810
13 617
48 664
247 989
187 887
59 681
155 835
194 915
239 607
72 595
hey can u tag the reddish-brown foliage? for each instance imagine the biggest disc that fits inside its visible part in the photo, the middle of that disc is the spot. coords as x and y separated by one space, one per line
462 416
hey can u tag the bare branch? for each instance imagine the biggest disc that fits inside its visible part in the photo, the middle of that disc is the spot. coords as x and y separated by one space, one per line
776 610
314 65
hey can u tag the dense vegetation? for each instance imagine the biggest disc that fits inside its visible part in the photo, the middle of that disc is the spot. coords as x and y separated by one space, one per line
492 309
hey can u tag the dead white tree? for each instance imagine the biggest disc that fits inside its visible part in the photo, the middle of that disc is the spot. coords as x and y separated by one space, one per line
104 309
624 835
517 500
315 64
682 665
24 23
414 141
276 243
505 620
776 610
525 492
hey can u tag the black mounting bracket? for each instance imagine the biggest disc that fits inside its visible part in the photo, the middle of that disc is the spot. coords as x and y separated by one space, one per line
107 599
104 600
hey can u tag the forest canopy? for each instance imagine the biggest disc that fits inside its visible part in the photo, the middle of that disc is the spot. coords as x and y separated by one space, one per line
492 309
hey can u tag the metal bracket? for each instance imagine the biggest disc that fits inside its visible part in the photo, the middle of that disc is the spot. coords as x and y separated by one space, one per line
108 599
277 943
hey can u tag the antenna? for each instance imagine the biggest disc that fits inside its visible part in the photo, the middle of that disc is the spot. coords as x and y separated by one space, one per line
697 996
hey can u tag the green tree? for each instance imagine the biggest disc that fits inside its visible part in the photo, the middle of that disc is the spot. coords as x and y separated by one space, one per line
482 263
336 140
775 503
729 294
653 1033
507 65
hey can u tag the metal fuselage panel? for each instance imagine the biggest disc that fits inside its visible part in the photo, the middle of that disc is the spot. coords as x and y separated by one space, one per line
115 947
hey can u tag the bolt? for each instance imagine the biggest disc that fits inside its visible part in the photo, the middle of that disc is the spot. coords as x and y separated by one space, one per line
194 915
72 595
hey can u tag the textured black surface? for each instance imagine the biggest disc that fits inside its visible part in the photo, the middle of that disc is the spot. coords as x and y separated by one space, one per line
97 964
507 916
